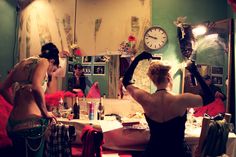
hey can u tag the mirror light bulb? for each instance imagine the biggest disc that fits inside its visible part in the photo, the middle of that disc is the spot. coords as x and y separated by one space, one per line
199 30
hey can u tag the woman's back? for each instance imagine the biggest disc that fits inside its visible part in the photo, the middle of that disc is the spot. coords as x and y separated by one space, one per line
23 71
166 117
24 102
162 106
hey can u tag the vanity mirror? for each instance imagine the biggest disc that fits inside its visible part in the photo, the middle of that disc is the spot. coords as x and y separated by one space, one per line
95 27
100 29
101 69
212 51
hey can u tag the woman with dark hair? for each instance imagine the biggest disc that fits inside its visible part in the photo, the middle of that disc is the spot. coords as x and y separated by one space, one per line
29 117
164 111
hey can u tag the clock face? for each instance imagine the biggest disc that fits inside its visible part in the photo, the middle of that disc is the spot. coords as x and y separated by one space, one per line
155 38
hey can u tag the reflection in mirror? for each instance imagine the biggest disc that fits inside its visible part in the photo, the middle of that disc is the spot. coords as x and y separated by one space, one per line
211 53
102 69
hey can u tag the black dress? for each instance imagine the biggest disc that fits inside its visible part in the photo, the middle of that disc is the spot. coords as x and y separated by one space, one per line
167 138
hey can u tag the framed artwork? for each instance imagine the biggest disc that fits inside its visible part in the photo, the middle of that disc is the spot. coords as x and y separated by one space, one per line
86 59
70 59
217 70
99 70
71 68
99 59
217 80
87 70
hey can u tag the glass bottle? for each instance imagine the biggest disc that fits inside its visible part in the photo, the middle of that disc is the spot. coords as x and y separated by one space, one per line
100 112
76 108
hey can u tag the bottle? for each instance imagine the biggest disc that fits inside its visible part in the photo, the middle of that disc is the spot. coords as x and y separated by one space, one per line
76 108
91 111
61 105
83 109
100 113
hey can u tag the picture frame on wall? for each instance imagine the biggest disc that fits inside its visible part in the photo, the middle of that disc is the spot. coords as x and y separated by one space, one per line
99 70
217 80
217 70
99 59
87 59
70 68
87 70
70 59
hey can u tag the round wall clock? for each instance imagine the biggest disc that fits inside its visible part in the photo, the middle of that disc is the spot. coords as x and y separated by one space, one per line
155 38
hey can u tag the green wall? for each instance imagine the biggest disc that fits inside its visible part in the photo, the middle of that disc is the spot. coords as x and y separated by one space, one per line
164 13
7 36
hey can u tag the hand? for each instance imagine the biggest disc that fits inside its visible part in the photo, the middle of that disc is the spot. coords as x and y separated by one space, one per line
77 90
191 66
219 95
144 55
96 84
52 117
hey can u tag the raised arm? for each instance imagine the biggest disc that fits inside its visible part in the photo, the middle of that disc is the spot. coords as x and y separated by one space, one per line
207 93
136 93
129 73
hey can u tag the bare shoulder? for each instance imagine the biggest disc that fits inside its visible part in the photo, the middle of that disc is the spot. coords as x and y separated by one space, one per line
43 61
189 99
140 95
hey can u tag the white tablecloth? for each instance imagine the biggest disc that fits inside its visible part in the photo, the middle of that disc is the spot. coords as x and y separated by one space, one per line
135 140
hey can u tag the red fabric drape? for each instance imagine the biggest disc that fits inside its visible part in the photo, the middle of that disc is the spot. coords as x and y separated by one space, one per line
211 109
233 4
94 91
53 99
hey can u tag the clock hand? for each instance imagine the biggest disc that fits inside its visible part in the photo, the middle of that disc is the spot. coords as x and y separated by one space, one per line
151 36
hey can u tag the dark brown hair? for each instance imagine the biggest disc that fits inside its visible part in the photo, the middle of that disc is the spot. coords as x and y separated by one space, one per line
50 51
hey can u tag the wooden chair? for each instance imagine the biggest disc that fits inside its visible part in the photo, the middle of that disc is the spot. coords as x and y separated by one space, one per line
208 131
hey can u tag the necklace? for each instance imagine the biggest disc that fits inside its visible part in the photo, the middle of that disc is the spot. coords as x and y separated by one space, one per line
162 89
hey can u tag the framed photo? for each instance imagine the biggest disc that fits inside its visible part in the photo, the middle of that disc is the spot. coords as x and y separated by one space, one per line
87 70
71 68
70 59
99 59
99 70
217 70
86 59
217 80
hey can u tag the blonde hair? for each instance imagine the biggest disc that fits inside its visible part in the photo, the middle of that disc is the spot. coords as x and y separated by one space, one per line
158 71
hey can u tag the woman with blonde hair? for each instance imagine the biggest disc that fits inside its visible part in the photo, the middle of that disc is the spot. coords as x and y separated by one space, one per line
164 111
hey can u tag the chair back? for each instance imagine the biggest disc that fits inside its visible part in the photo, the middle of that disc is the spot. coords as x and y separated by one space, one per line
92 141
213 137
